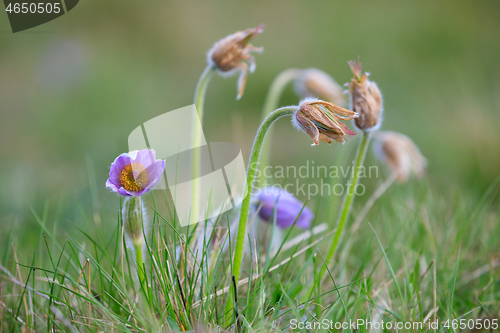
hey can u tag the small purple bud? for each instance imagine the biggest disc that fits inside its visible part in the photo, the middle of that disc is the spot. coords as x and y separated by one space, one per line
288 208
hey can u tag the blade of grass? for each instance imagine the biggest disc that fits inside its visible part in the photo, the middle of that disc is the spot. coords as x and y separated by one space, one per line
389 265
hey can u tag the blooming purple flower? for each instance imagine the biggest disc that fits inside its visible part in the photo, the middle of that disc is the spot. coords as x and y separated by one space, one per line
135 173
288 208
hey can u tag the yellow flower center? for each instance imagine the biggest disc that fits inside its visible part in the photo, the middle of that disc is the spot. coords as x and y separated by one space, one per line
134 177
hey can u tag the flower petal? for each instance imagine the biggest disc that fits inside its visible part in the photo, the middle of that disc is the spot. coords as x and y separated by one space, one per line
288 208
155 172
116 168
307 126
119 190
146 157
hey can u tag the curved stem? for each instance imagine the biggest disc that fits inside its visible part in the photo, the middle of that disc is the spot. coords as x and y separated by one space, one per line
271 103
199 99
252 169
201 89
253 165
350 195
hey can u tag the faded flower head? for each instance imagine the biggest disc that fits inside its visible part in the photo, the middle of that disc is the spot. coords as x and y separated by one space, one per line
366 99
288 208
400 154
313 82
321 120
230 53
135 173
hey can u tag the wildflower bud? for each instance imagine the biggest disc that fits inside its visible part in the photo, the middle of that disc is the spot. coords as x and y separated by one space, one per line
230 53
288 208
400 154
321 120
313 82
133 215
366 99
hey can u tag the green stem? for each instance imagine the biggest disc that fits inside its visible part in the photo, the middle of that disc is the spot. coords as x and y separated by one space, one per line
201 89
271 103
350 195
134 220
349 198
253 165
140 265
199 99
252 170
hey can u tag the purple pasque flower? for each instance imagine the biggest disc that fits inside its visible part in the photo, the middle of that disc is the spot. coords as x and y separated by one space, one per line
135 173
288 208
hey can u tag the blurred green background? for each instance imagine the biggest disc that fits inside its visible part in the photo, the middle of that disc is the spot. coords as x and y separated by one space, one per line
72 89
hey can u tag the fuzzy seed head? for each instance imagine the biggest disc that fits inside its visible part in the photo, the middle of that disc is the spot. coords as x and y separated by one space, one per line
321 120
366 99
313 82
400 154
232 54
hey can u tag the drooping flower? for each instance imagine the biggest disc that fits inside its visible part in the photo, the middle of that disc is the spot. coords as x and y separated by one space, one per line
135 173
366 99
313 82
229 54
288 208
321 120
400 154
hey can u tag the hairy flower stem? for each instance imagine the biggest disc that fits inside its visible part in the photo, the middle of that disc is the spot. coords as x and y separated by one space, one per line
349 198
133 219
271 103
253 165
199 100
140 265
350 195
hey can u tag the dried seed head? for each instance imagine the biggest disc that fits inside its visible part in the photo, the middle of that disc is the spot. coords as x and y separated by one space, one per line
366 99
313 82
230 53
400 154
321 120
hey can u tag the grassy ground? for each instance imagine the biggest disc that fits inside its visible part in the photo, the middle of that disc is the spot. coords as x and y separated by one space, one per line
415 257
